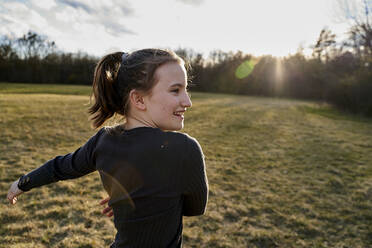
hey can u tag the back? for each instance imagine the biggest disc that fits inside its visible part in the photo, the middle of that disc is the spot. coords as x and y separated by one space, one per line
143 170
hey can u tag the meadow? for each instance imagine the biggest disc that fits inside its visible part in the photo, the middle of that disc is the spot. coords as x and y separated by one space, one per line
282 173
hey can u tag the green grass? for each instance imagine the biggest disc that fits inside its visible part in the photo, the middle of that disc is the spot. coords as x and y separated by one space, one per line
282 173
12 88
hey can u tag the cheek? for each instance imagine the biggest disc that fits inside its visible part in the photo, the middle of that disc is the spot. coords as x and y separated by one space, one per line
166 109
164 104
168 103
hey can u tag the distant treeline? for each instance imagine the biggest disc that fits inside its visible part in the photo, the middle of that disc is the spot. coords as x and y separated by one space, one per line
32 58
340 74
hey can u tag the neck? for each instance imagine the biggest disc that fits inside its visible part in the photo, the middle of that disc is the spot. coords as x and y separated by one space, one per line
133 122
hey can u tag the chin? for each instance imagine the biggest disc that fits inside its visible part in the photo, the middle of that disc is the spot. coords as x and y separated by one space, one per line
173 127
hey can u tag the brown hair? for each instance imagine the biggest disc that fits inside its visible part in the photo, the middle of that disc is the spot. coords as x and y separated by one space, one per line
118 73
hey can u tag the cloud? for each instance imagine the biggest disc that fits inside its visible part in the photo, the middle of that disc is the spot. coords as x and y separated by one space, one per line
76 5
109 14
58 18
44 4
109 7
115 29
17 18
4 20
191 2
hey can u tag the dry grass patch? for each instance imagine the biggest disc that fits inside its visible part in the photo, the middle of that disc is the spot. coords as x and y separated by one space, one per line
282 173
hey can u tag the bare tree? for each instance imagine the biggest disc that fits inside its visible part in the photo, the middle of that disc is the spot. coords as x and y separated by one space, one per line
358 14
32 45
6 48
325 45
354 12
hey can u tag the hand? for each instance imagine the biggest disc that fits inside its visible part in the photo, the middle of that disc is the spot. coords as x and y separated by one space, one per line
13 192
108 210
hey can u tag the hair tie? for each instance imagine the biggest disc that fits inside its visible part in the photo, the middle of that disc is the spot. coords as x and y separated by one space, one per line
124 57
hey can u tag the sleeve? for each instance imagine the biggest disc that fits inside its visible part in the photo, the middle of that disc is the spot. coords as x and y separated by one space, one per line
73 165
194 180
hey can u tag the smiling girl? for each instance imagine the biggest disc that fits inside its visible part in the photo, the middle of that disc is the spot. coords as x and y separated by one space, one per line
153 175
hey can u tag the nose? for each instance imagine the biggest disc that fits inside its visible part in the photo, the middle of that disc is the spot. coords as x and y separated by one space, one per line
186 101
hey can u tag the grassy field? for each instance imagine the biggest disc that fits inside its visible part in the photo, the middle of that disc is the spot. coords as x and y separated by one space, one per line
282 173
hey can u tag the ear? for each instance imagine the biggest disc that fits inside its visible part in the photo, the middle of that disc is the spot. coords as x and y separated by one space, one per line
136 100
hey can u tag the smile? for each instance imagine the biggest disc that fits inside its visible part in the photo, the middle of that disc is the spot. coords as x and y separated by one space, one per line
179 114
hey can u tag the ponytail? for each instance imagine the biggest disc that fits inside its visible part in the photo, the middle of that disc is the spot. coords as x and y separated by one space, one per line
107 98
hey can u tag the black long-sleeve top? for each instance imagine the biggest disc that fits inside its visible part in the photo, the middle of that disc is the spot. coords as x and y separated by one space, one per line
153 178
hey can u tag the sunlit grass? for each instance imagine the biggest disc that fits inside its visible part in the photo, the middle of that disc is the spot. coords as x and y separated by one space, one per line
282 173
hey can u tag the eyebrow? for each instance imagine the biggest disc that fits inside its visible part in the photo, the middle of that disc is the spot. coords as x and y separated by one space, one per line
177 84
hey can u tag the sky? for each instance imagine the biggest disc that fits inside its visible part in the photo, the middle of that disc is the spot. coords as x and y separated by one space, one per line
257 27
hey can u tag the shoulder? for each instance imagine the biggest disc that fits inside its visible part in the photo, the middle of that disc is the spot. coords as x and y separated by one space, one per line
182 137
188 142
96 138
100 133
110 132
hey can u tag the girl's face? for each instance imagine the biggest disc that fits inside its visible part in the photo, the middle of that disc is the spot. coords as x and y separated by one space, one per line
168 100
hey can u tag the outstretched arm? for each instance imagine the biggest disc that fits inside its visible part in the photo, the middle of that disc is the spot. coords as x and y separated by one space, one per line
69 166
14 192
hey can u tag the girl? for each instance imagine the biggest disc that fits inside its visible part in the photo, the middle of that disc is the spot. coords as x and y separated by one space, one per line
153 176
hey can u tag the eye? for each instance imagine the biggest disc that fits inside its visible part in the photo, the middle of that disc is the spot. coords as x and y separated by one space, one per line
175 90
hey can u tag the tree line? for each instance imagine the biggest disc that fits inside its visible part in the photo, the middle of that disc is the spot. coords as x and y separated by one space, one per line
339 73
32 58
